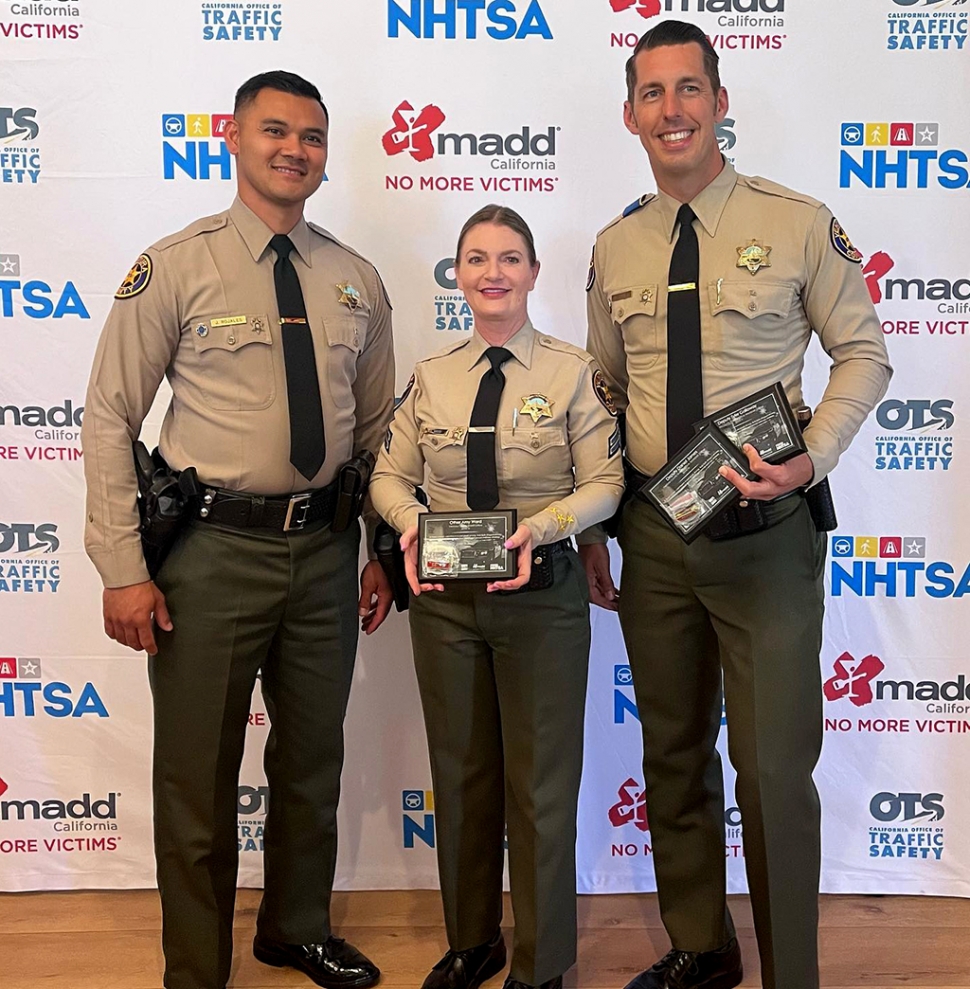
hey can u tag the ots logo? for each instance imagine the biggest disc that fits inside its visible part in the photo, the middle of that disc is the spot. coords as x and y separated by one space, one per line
922 415
504 20
927 24
645 8
24 537
865 156
452 311
724 131
35 298
418 817
412 131
18 124
917 413
444 274
195 155
252 800
853 679
886 807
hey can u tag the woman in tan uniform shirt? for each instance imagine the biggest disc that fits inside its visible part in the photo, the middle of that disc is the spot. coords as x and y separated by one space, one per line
502 676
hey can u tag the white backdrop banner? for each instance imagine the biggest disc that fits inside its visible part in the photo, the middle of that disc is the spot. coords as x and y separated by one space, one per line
111 116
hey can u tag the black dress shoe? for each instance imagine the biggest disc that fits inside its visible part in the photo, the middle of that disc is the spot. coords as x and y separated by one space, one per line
555 983
333 963
720 969
468 969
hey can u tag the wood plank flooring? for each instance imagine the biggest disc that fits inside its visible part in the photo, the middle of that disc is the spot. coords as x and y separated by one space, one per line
110 940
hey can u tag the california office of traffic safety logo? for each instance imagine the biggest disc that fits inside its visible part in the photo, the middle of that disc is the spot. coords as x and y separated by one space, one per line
137 279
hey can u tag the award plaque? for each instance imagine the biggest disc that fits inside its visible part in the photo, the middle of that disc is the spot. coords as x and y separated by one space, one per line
466 546
688 491
765 420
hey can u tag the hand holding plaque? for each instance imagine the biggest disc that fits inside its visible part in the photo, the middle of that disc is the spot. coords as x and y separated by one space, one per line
466 546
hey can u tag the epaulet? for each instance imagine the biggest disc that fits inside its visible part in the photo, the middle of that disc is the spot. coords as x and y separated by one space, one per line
205 225
323 232
769 188
637 204
562 347
446 350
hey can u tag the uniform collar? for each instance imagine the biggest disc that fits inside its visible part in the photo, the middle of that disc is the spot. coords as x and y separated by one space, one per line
708 204
520 345
256 235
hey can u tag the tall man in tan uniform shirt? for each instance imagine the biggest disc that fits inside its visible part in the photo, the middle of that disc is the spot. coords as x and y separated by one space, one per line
257 581
749 608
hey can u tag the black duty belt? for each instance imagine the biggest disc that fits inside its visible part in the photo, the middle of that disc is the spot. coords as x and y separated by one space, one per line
553 549
283 513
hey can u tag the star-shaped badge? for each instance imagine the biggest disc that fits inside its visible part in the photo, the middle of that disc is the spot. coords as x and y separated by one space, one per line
349 296
536 406
754 257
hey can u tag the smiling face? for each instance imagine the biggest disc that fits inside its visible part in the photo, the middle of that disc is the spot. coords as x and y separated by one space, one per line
494 272
280 144
674 113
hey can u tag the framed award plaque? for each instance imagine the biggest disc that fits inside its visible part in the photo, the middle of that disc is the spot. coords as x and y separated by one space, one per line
466 546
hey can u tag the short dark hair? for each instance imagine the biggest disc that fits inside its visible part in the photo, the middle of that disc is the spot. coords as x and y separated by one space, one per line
673 33
281 81
504 216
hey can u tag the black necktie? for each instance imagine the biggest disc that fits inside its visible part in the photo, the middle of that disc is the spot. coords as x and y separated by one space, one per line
308 447
685 392
482 481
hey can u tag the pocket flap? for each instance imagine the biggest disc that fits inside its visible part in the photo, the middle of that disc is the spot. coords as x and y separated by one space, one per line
231 332
532 440
637 300
751 298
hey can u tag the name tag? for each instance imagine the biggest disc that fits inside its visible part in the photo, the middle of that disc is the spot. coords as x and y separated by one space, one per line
227 321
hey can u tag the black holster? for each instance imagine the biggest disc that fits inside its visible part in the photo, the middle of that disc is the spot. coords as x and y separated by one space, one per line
352 482
387 547
165 501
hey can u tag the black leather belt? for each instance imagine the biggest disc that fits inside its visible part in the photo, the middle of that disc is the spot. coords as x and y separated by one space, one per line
553 549
284 513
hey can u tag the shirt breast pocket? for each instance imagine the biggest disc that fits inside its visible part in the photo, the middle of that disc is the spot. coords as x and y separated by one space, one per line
443 449
752 323
235 356
536 459
634 310
345 340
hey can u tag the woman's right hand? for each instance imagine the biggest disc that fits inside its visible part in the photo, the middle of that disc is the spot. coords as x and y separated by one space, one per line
409 543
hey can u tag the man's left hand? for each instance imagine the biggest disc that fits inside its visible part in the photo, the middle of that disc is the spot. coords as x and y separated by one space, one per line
376 597
776 480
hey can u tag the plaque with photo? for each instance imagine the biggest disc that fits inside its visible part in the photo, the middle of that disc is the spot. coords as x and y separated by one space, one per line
765 420
466 546
688 491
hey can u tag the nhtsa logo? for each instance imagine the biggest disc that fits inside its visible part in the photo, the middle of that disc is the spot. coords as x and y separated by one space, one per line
192 145
860 682
34 297
223 20
23 693
631 808
730 14
899 449
906 841
451 311
898 154
418 817
19 156
42 21
624 702
893 566
501 20
78 816
934 25
418 135
252 805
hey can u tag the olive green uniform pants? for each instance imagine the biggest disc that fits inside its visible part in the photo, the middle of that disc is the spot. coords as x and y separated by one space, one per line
749 609
503 687
245 601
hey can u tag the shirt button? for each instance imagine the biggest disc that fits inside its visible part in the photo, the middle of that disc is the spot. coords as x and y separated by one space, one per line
231 340
619 313
752 305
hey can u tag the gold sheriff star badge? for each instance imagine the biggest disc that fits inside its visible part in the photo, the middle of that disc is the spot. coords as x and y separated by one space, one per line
349 296
754 257
536 406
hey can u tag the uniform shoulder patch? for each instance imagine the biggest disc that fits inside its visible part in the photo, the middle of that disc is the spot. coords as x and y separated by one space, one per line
136 281
591 274
842 244
602 390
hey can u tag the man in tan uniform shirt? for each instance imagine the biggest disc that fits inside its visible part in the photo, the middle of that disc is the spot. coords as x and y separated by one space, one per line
774 268
257 581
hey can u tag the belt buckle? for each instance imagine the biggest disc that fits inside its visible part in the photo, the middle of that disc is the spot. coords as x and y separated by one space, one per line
296 512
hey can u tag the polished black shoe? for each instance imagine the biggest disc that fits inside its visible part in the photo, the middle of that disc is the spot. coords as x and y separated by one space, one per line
468 969
333 963
720 969
555 983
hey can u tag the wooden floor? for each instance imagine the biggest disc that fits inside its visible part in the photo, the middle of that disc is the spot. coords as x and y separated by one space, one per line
110 940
